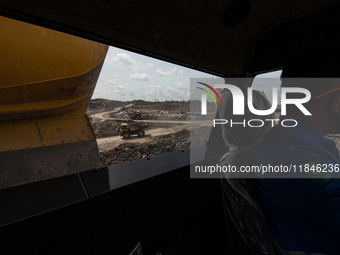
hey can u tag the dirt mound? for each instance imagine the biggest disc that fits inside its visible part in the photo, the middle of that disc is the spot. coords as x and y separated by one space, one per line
182 107
160 145
103 106
150 115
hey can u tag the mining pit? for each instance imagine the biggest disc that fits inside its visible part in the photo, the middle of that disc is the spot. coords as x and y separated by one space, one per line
168 131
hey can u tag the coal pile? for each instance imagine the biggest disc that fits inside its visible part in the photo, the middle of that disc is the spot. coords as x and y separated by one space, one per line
160 145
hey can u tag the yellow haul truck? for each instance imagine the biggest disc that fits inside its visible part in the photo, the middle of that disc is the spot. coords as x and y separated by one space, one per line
126 129
47 80
136 116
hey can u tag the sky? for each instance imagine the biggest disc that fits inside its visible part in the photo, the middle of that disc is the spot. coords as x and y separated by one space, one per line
265 83
126 76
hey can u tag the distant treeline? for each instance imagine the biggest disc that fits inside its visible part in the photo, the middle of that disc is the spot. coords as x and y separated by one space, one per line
100 100
143 102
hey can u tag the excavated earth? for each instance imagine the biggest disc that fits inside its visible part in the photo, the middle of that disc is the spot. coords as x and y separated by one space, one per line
168 130
159 145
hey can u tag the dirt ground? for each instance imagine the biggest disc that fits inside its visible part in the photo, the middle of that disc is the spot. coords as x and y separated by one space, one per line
169 129
159 145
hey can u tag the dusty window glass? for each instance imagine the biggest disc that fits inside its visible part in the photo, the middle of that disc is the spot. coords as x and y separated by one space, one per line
265 83
140 107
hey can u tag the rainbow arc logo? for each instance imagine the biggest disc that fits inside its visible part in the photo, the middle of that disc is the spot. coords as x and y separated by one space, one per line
204 97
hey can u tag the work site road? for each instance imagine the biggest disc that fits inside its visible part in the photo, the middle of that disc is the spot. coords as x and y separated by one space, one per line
108 143
105 116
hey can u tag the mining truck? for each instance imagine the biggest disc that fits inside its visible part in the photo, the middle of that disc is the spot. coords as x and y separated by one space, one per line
136 116
126 129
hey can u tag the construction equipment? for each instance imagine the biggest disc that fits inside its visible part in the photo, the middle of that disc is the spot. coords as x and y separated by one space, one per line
136 116
126 129
46 84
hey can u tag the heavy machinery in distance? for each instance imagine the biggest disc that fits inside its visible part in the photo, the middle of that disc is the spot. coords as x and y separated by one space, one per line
135 116
126 129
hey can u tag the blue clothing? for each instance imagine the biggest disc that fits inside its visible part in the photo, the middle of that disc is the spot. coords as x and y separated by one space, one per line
304 214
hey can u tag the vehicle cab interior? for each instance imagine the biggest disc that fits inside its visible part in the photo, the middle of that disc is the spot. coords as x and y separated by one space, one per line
153 201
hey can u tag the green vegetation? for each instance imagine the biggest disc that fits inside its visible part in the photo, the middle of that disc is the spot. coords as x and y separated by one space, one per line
142 102
99 100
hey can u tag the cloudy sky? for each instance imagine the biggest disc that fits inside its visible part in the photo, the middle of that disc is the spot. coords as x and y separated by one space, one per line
127 76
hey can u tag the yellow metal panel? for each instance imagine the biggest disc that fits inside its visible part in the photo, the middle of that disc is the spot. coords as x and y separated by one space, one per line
52 130
32 110
47 80
45 72
32 54
19 135
65 131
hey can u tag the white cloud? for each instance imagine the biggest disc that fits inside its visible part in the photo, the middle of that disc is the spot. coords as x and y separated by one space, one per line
117 88
153 91
113 81
181 72
180 92
125 61
172 90
140 77
123 90
168 73
182 86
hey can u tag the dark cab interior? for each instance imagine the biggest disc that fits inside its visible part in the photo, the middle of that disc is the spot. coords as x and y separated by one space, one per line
149 201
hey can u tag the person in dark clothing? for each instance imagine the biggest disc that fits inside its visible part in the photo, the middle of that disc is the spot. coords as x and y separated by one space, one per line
304 213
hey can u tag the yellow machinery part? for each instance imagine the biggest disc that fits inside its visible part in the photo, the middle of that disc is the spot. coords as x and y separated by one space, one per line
47 81
31 54
37 65
39 132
